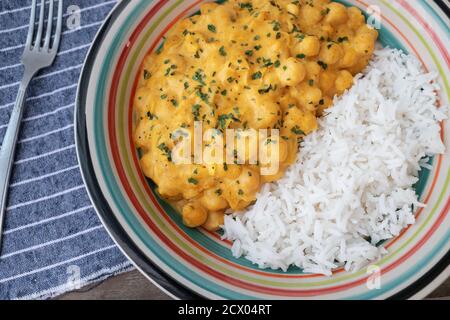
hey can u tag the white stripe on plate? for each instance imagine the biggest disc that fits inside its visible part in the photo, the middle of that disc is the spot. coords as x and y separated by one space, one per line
23 204
72 146
21 275
48 243
33 224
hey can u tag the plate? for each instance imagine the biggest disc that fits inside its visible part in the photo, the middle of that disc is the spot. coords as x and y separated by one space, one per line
193 263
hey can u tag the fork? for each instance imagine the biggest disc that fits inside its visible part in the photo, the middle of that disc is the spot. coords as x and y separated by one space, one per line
38 54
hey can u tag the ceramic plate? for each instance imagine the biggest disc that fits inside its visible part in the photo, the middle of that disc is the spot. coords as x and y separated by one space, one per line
190 263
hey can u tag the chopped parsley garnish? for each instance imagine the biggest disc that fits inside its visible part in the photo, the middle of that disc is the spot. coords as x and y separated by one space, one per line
325 11
166 151
147 74
193 181
257 75
249 53
211 27
297 130
196 111
266 89
276 25
246 5
301 56
198 76
174 102
203 96
322 64
223 119
222 51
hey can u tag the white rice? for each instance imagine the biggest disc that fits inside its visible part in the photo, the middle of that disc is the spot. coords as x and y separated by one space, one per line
352 185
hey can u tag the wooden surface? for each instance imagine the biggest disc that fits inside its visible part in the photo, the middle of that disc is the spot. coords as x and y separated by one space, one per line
133 285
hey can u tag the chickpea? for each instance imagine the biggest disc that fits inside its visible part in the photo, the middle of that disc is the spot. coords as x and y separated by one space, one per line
292 72
194 214
142 133
231 171
303 120
249 182
222 13
356 18
282 147
337 14
344 81
349 59
309 46
327 102
208 7
267 178
214 221
212 199
312 70
364 44
311 98
331 53
147 165
366 29
274 148
293 116
271 78
293 9
265 114
308 123
327 79
141 100
327 31
311 15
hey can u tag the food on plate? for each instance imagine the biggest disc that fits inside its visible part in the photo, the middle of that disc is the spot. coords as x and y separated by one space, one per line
352 185
243 65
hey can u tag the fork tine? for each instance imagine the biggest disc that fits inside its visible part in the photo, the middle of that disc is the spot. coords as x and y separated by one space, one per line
58 26
49 26
38 40
31 27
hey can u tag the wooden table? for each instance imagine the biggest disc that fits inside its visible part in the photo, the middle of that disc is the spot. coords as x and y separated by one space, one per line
133 285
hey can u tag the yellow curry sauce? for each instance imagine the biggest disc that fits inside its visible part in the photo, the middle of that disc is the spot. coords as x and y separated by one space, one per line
243 64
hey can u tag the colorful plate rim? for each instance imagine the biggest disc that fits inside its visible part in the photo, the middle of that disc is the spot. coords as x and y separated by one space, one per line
114 227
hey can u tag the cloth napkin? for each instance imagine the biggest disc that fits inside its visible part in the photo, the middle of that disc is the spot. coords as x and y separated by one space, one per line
53 241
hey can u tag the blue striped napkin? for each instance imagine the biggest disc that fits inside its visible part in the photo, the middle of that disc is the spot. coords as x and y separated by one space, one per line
53 240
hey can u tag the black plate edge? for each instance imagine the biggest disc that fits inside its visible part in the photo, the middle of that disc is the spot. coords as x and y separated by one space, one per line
118 234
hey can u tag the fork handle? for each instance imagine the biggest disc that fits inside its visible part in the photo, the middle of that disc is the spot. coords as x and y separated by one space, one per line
8 148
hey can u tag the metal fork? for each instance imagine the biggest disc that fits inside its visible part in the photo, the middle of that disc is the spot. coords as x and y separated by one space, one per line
38 54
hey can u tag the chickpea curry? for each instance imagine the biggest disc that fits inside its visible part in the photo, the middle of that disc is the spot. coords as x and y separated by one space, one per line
243 64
